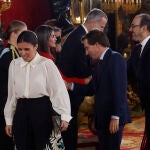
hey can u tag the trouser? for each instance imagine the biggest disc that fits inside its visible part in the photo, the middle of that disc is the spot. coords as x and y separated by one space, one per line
145 145
71 135
32 123
109 141
6 143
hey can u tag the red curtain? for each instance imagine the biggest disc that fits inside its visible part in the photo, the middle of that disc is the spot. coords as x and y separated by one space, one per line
32 12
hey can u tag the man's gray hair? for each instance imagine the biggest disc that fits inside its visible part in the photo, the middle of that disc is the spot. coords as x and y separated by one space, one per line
95 15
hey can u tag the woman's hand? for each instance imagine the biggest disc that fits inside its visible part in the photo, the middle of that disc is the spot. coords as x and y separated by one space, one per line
8 130
64 125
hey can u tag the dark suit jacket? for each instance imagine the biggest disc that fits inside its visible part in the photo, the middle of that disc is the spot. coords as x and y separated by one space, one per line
139 68
4 66
111 85
73 62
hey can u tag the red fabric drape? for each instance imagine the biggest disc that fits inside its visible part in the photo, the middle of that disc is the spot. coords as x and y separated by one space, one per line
32 12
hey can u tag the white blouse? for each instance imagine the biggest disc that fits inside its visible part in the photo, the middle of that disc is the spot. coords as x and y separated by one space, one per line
34 79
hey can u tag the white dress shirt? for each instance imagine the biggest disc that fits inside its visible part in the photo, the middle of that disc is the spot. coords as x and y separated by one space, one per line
34 79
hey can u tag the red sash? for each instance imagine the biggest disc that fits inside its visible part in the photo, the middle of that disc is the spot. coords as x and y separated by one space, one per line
68 79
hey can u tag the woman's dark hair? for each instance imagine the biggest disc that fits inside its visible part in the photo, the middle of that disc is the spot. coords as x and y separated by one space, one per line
28 36
14 26
43 33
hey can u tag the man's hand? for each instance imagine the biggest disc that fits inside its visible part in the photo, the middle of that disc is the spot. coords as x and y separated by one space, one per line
68 85
114 125
88 79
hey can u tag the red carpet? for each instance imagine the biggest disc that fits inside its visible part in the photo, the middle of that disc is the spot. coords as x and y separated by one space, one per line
132 136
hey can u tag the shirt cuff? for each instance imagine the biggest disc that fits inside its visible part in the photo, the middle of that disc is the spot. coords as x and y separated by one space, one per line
66 118
8 121
72 86
115 117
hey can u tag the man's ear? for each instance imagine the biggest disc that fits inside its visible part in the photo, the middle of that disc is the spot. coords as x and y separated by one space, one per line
144 27
97 44
36 46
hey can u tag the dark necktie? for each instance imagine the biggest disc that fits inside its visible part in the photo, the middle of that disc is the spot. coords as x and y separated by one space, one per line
139 48
98 69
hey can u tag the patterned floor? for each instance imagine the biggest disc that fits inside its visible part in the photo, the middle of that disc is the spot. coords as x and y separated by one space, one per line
132 135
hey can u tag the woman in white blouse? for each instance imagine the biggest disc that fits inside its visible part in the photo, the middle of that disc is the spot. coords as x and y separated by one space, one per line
35 87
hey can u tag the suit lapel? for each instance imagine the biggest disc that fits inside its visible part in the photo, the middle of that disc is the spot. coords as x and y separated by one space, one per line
146 49
143 58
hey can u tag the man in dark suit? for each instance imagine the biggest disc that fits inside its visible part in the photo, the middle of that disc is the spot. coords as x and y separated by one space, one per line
74 63
111 107
139 67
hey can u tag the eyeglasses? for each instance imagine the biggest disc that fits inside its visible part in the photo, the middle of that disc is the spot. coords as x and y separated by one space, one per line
133 26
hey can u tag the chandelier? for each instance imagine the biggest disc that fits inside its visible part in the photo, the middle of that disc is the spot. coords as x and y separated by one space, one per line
4 5
80 8
111 6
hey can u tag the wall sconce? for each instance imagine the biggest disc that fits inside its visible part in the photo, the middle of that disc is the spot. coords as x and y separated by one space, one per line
4 5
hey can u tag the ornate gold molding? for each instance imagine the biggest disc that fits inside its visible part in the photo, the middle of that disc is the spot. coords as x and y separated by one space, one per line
80 8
